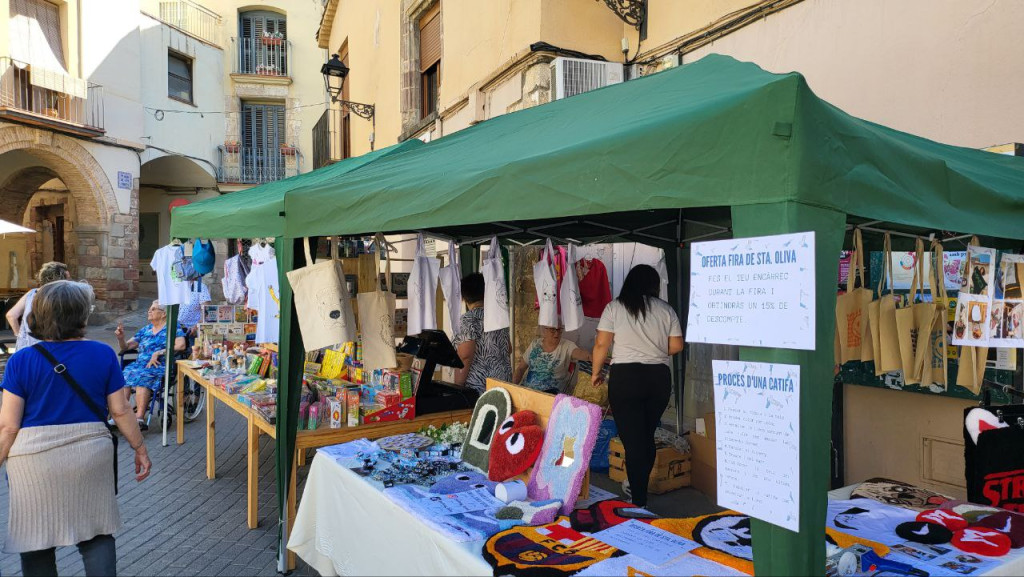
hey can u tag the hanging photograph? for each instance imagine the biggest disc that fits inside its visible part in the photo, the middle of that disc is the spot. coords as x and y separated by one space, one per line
1009 276
979 274
972 325
903 269
1007 323
399 284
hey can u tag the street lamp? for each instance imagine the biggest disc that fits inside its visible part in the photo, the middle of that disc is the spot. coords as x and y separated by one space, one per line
335 71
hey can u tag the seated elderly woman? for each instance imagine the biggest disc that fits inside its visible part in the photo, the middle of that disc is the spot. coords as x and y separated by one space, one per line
146 375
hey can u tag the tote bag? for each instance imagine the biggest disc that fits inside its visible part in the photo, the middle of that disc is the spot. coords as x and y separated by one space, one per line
232 282
887 357
451 288
931 352
913 321
322 303
569 294
547 287
852 309
495 291
422 290
377 319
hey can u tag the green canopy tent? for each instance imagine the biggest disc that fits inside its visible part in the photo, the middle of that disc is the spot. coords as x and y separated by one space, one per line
641 161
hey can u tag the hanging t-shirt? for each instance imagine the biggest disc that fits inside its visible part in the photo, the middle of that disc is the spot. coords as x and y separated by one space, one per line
868 519
595 290
171 289
548 370
264 296
643 339
192 312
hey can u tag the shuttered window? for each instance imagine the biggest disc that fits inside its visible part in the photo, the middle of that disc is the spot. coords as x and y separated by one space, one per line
179 77
263 43
263 134
430 38
35 36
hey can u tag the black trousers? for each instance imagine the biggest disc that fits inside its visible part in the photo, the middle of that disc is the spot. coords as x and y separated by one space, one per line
98 554
639 394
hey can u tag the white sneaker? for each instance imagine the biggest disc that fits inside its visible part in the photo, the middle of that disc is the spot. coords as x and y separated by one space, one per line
626 491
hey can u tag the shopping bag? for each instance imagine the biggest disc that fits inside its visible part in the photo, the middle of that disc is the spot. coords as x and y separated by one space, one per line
569 297
423 290
931 354
852 307
451 287
887 358
233 282
495 290
322 303
377 319
913 321
547 287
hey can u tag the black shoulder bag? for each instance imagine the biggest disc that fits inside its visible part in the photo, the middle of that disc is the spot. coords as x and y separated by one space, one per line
62 370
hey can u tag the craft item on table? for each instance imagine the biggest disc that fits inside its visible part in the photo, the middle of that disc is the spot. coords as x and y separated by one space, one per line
535 513
412 441
609 513
551 549
948 519
565 457
979 420
633 565
970 511
510 491
923 532
899 494
515 446
344 453
491 409
868 519
651 543
982 541
463 502
1010 524
463 481
461 527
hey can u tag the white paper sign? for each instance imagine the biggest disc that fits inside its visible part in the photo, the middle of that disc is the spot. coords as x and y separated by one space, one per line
757 419
648 542
464 502
757 292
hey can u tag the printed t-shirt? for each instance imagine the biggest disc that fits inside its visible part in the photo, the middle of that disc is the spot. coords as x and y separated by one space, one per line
868 519
493 350
643 339
264 296
49 399
171 289
548 370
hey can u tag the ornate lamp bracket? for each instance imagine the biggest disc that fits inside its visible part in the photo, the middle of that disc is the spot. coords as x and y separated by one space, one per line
632 12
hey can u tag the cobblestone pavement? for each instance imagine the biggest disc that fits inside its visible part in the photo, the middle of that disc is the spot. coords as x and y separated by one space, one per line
179 523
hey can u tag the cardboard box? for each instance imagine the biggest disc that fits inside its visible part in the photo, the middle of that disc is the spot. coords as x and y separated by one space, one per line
704 469
352 405
404 410
671 468
709 425
337 412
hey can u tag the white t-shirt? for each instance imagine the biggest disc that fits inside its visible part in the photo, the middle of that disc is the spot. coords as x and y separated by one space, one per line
643 339
265 297
868 519
171 290
548 370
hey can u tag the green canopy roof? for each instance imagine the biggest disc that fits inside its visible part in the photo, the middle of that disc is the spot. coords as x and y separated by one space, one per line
256 212
716 132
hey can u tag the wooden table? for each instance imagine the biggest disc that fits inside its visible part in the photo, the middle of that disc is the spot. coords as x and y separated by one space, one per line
257 425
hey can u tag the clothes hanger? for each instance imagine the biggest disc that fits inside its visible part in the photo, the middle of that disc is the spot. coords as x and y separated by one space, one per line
175 241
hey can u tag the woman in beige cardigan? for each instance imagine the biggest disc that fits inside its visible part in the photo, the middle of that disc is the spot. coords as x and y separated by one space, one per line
59 454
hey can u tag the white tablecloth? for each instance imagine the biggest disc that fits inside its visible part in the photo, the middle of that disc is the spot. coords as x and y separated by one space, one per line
346 526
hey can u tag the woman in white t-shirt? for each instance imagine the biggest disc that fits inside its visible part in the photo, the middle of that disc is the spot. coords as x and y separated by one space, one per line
645 332
18 314
546 361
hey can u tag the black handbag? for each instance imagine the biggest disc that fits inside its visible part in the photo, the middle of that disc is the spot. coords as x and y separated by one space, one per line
62 370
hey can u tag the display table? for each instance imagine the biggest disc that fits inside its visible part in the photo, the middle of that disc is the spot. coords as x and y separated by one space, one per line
257 425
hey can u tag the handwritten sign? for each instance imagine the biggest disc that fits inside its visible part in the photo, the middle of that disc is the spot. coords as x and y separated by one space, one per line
757 418
756 292
648 542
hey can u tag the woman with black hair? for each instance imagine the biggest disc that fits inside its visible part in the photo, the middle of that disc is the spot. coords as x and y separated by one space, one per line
645 332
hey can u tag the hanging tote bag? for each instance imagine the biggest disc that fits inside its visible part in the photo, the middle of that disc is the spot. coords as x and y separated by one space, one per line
931 354
569 297
422 290
322 303
451 288
233 282
495 290
852 308
547 287
377 319
887 358
203 257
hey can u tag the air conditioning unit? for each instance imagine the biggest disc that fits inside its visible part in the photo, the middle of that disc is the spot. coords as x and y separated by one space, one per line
572 76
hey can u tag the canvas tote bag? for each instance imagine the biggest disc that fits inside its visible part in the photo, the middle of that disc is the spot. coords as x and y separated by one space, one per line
887 350
569 294
423 290
377 319
914 321
970 370
451 287
495 290
322 302
931 353
547 287
852 309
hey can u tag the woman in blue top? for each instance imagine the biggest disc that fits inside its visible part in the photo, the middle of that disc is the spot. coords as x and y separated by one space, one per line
60 462
146 374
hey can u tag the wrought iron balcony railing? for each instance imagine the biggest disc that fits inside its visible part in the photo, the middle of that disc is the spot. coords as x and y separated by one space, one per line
261 56
331 138
257 165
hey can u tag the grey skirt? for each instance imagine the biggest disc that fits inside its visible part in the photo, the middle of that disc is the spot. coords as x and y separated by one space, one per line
61 481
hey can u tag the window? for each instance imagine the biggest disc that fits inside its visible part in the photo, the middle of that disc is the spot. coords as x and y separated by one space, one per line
262 137
430 60
35 35
263 44
179 77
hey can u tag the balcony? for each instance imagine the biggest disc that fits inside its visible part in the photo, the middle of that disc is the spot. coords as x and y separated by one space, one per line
265 58
257 165
192 19
51 100
331 138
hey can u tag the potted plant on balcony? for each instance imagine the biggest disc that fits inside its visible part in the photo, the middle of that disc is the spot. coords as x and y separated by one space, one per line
52 103
267 70
288 150
272 38
232 146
